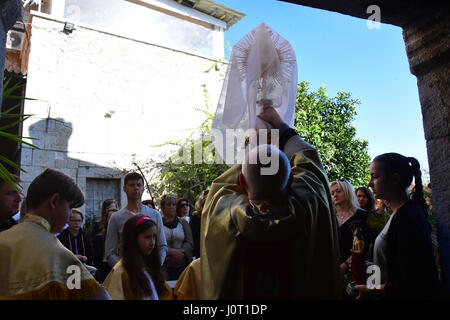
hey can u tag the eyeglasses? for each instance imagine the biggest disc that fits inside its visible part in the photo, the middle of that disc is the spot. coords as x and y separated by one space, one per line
186 204
75 220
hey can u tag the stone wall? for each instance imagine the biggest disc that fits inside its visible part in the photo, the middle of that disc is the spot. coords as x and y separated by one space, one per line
103 99
427 42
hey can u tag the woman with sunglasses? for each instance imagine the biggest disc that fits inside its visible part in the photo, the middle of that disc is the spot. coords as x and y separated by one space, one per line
184 209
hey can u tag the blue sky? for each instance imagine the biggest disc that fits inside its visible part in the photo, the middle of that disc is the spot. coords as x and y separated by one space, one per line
343 54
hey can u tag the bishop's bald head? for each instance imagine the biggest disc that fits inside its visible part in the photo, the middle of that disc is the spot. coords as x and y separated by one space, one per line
265 172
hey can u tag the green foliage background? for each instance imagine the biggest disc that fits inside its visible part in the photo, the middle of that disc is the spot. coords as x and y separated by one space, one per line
16 118
326 123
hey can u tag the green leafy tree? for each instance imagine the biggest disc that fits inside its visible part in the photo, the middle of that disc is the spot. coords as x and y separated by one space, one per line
326 123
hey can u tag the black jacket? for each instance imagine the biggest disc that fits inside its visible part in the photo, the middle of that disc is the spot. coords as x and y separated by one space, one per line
5 225
10 12
345 233
79 245
195 227
411 264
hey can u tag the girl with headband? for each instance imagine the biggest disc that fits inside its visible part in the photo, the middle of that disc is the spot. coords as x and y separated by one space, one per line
137 275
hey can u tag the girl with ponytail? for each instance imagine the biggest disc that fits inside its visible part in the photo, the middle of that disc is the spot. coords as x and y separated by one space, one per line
417 193
403 250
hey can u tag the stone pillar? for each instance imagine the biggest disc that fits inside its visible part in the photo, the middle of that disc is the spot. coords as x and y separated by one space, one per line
427 40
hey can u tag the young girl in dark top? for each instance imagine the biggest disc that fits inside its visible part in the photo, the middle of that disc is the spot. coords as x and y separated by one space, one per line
375 220
403 249
137 275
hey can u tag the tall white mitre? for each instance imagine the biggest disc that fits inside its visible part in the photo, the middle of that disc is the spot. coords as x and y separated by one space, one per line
262 70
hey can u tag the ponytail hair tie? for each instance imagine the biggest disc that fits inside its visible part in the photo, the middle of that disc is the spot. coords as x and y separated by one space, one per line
413 162
139 221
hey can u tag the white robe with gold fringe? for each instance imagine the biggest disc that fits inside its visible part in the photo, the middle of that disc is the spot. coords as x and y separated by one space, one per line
35 265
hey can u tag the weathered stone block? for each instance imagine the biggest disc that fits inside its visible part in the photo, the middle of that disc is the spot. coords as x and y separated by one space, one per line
26 157
70 172
38 138
31 173
427 42
60 164
55 141
438 154
72 163
44 158
435 101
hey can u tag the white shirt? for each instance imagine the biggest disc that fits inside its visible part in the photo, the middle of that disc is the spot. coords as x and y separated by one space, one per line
154 295
379 250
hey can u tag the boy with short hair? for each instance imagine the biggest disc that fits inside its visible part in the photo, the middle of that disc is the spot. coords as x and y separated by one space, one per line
134 188
34 264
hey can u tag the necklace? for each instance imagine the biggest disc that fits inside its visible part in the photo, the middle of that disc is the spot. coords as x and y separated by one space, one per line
342 217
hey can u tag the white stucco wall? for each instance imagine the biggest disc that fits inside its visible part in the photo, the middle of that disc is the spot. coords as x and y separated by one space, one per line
111 96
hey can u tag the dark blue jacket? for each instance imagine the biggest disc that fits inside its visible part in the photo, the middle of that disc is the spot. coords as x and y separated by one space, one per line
411 264
10 12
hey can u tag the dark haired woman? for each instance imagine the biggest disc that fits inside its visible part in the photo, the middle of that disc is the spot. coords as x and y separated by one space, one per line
184 209
109 206
365 199
375 220
403 250
137 275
